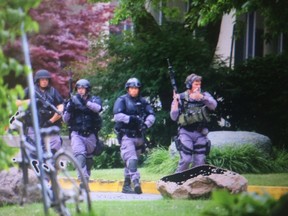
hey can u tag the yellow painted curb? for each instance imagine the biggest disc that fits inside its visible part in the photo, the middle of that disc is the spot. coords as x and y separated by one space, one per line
150 187
274 191
111 186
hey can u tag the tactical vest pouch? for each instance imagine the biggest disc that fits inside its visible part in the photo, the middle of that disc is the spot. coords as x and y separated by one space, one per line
193 115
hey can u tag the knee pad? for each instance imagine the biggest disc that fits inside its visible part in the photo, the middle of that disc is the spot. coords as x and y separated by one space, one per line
132 165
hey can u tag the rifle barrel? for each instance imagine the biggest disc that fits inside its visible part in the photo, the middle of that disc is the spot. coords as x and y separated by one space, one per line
48 103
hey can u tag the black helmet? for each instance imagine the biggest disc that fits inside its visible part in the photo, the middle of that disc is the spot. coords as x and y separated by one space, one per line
42 74
83 83
133 82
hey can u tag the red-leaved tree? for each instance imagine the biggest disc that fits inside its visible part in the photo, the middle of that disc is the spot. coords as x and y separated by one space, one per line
66 29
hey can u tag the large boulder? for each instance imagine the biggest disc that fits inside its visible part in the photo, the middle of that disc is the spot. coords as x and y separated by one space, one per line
238 138
234 138
11 185
199 182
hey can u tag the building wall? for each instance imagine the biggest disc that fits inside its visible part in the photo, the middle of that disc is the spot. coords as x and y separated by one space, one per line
251 44
225 42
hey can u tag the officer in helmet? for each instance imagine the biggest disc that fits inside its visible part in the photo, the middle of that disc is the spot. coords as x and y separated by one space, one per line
49 107
82 116
191 111
133 115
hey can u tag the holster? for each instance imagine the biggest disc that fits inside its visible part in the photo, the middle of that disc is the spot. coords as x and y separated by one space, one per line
119 135
180 147
178 143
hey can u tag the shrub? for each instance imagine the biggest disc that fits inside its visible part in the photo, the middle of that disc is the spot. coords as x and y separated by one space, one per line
280 158
159 160
110 158
224 203
255 94
242 159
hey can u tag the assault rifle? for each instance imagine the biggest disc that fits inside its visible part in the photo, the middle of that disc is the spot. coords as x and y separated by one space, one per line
72 97
47 103
70 87
173 81
70 83
172 76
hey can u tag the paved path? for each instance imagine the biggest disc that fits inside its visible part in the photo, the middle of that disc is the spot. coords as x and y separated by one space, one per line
121 196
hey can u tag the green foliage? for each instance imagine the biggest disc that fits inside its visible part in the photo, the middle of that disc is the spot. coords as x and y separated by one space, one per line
275 13
255 95
118 207
6 154
242 159
159 160
224 203
11 19
204 12
135 9
145 57
269 179
110 158
280 160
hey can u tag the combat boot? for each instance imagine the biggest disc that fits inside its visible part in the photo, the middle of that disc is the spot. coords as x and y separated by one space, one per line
137 186
127 186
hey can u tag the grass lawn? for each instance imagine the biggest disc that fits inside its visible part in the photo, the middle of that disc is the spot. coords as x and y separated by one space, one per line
123 208
117 174
275 179
143 208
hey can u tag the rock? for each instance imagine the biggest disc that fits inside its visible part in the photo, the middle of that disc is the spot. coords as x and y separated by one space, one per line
238 138
201 184
234 138
11 185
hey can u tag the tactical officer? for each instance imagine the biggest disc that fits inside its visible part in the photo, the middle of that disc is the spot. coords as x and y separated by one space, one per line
82 116
133 115
49 107
191 111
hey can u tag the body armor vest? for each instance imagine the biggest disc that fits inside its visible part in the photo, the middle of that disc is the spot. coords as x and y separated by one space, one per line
132 107
85 120
45 112
193 111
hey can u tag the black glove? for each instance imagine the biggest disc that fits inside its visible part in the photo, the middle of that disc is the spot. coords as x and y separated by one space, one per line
135 121
47 124
38 101
81 99
144 128
70 107
76 101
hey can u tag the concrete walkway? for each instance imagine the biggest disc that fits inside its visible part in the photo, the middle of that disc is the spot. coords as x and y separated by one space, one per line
123 197
150 188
